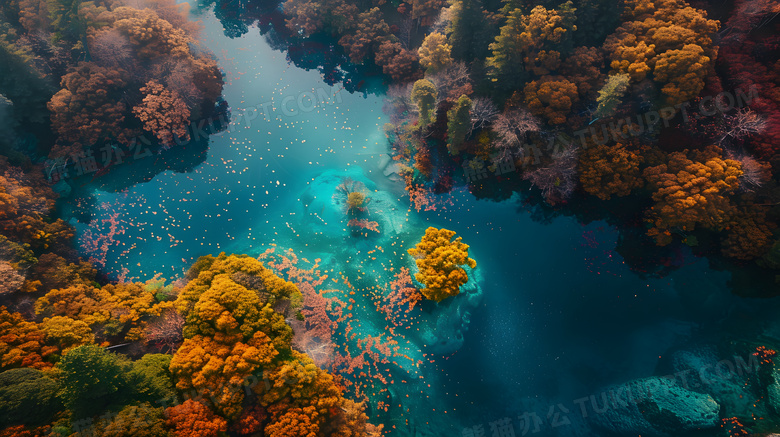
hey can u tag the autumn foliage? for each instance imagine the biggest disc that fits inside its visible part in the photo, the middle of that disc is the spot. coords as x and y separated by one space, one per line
439 260
435 52
667 40
193 419
551 98
692 189
607 171
22 343
89 108
401 299
152 53
238 349
106 72
121 309
531 43
163 113
482 97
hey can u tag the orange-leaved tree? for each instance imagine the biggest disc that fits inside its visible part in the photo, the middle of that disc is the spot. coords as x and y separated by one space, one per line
370 31
295 422
583 68
118 310
230 335
218 368
607 171
749 235
22 343
669 39
90 107
232 331
692 188
551 97
163 113
304 400
193 419
439 260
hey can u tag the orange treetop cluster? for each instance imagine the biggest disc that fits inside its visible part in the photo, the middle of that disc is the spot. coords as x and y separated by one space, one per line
439 260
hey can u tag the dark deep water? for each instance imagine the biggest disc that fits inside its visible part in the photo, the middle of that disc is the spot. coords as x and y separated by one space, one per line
560 318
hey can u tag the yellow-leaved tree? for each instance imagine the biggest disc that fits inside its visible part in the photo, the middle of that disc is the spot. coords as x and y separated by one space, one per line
439 260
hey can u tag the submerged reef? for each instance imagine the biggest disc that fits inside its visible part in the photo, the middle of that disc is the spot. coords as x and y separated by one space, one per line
325 226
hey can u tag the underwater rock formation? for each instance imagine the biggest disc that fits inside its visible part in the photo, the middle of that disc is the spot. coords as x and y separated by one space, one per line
445 326
652 407
699 370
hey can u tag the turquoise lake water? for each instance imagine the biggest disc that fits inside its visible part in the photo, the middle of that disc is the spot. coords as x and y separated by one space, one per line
560 315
